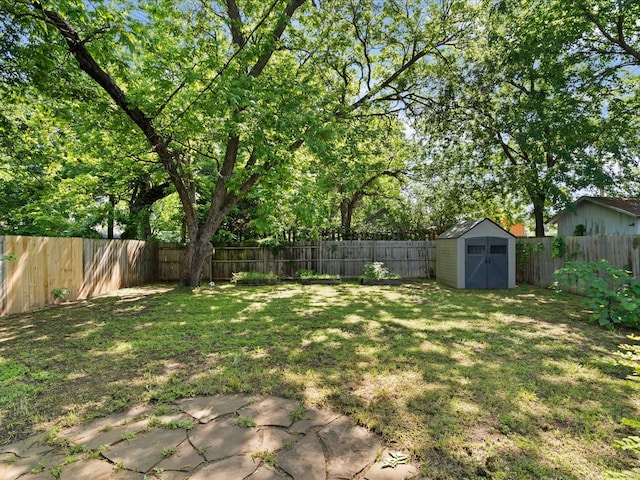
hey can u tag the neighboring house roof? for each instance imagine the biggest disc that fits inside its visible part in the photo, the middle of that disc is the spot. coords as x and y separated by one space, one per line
374 217
463 227
627 206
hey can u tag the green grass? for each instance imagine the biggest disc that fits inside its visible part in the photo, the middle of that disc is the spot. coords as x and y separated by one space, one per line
473 384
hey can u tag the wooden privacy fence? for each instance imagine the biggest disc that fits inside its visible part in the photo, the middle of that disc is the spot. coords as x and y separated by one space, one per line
409 259
33 268
170 257
535 262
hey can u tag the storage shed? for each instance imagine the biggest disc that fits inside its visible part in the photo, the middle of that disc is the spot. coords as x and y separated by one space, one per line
476 254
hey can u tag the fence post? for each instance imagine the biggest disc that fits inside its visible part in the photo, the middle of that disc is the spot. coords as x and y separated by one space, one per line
428 272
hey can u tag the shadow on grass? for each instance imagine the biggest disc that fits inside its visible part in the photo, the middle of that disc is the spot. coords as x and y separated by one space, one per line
507 384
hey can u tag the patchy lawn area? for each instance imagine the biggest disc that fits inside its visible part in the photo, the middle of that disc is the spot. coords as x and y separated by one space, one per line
507 384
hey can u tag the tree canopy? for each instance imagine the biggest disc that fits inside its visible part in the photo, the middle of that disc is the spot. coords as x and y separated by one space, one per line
223 94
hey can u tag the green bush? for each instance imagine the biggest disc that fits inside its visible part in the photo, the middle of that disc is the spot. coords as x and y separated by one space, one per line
558 247
310 274
611 294
305 273
252 277
629 356
378 271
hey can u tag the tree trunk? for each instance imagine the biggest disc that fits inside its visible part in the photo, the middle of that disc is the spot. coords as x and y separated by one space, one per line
538 213
144 195
196 253
346 216
110 217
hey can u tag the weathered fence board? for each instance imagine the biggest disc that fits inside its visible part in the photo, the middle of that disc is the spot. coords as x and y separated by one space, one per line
38 265
111 264
170 263
409 259
3 275
536 265
85 267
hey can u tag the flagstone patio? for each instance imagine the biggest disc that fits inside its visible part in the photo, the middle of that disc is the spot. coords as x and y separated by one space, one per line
209 438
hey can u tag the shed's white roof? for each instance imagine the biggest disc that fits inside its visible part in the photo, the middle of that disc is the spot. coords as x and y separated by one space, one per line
463 227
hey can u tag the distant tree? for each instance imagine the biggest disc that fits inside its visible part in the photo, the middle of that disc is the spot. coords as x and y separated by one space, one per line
529 112
367 160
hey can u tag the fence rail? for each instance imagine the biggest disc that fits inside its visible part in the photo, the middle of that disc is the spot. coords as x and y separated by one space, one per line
536 263
32 268
409 259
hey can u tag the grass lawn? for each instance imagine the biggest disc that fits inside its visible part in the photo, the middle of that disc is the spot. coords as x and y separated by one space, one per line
474 384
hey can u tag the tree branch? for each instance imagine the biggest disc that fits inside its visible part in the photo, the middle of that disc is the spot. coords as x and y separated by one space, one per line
235 23
89 65
618 39
218 74
290 9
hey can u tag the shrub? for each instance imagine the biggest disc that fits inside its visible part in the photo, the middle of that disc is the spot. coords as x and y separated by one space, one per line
558 247
252 277
310 274
305 273
580 230
630 357
378 271
612 294
60 293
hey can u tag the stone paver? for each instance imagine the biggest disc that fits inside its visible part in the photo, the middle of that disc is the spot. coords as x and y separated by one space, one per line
304 460
110 435
265 472
222 439
210 445
97 470
172 476
45 463
313 418
144 451
185 458
234 468
350 448
379 471
271 411
274 439
11 471
400 472
29 458
37 476
29 447
205 409
85 433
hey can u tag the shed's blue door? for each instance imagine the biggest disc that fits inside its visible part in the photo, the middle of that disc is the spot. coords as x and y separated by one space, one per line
486 262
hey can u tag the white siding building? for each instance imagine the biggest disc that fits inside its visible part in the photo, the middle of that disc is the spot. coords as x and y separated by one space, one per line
592 216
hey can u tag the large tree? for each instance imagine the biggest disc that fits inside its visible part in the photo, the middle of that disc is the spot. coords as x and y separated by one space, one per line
531 111
225 92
